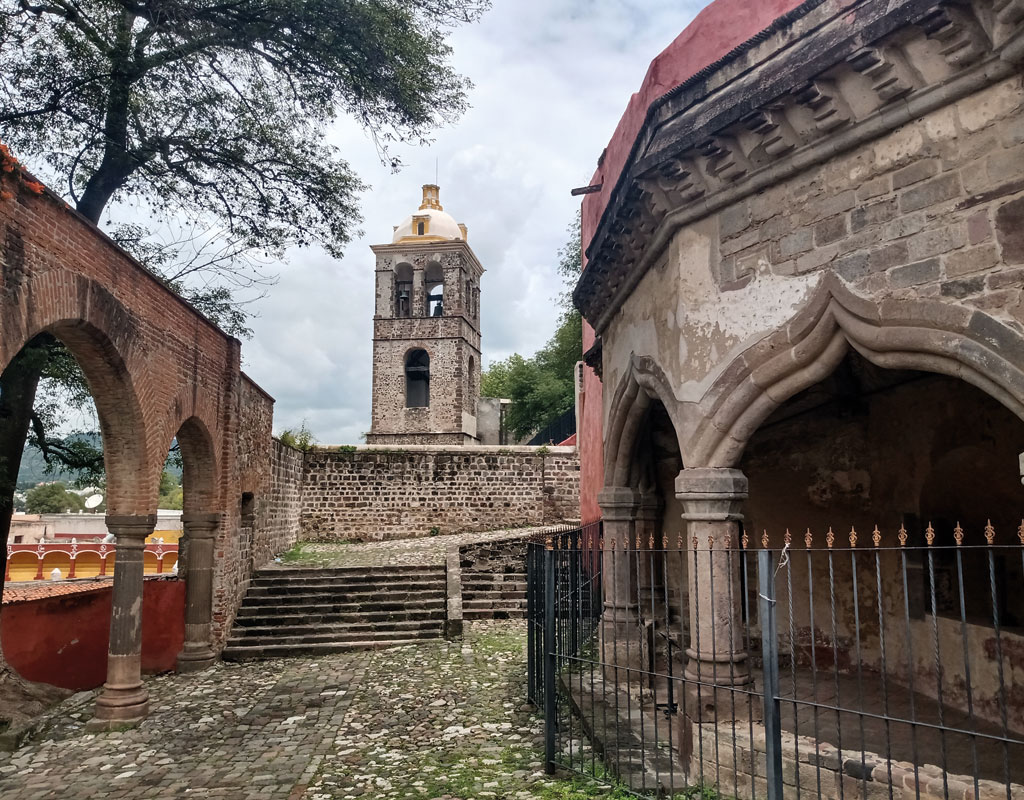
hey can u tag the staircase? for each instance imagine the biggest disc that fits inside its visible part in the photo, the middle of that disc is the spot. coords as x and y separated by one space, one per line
491 595
293 612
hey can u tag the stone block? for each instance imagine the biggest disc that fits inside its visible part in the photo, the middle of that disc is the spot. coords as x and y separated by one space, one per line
1006 165
979 228
797 242
816 258
830 230
890 255
973 259
1010 230
917 273
1013 131
734 219
935 242
936 190
852 267
874 188
904 226
1006 279
873 214
915 173
964 287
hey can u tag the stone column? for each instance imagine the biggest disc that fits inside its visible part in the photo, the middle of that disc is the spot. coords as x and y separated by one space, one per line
200 532
419 293
648 513
712 500
621 637
124 700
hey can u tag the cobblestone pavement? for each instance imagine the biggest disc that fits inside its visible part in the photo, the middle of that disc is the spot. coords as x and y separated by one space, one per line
437 720
423 551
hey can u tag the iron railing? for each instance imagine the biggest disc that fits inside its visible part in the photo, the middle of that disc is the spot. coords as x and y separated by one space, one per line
840 669
558 430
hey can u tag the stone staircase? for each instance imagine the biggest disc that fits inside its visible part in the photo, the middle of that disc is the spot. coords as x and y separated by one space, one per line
493 595
293 612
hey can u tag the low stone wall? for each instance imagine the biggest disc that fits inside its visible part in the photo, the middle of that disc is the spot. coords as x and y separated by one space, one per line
806 762
497 556
280 512
372 493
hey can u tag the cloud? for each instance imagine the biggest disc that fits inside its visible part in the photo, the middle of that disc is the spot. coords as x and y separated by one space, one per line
551 79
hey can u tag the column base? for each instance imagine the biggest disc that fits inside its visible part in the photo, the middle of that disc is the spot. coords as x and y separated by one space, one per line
196 660
622 647
119 707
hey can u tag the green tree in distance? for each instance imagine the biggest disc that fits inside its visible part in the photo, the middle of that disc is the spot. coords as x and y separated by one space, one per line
543 387
52 498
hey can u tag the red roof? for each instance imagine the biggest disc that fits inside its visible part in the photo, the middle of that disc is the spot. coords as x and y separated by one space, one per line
37 590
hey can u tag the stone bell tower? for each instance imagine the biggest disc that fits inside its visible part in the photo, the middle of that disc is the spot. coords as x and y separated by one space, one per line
426 332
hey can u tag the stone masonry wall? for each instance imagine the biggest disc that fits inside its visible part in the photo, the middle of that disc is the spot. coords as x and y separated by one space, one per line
279 516
370 493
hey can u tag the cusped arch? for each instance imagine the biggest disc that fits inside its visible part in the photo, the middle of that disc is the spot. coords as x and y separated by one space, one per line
914 334
644 381
104 337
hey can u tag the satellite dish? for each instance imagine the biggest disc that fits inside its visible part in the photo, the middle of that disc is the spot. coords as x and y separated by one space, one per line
93 500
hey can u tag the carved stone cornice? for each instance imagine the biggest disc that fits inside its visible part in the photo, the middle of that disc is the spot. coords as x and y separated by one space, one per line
776 106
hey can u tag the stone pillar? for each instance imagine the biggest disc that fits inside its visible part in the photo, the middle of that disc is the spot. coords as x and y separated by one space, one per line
200 530
648 513
621 637
419 293
712 501
124 700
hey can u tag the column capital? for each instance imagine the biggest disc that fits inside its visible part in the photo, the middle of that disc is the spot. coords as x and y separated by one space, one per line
131 526
618 503
711 494
200 525
649 506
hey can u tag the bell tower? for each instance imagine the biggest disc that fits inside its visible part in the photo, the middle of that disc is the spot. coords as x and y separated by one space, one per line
426 332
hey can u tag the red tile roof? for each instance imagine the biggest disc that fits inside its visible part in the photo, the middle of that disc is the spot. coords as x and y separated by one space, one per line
37 590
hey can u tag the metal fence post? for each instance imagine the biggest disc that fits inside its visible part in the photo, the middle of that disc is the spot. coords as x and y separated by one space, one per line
550 707
770 658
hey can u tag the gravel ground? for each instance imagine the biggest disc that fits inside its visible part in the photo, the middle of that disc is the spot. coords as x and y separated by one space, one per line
435 720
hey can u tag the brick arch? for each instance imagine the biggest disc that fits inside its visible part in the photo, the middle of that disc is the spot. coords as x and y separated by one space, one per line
103 337
924 335
202 490
643 381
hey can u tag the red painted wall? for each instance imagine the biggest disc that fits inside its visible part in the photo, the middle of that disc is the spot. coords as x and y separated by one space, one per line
63 640
718 29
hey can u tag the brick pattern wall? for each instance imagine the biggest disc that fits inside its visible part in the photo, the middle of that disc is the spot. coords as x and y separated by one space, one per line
370 494
934 209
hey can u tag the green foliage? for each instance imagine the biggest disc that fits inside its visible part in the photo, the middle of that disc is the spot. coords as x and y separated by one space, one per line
301 438
543 387
171 493
52 498
435 531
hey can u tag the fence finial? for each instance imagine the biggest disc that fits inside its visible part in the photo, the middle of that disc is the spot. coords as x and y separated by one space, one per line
745 540
638 540
765 541
727 541
990 533
1020 532
694 542
902 536
664 541
650 542
549 542
830 538
876 536
853 537
929 534
787 539
808 539
711 542
679 542
958 534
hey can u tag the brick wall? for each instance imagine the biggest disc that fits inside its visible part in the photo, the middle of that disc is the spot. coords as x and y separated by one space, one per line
368 493
280 513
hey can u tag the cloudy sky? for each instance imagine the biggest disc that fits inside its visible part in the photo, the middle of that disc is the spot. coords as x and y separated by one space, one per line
552 78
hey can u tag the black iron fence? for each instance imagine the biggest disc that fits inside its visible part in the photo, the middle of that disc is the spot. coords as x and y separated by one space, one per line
558 430
838 668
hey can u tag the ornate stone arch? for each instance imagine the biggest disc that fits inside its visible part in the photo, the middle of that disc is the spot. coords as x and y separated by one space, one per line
643 381
925 335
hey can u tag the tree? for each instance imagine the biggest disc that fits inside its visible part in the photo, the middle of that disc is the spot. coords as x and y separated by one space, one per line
52 498
301 438
171 493
212 114
543 387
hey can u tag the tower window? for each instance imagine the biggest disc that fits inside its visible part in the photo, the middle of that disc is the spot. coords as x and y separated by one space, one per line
417 379
420 228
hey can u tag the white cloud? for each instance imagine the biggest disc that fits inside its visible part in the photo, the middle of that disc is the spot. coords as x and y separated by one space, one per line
551 79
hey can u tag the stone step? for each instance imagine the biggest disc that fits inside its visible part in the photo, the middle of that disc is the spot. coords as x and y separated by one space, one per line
335 606
433 585
335 633
494 613
340 638
507 602
484 584
346 577
278 573
256 653
287 619
492 595
316 598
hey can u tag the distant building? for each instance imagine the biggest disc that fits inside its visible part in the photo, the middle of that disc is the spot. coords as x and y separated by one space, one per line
426 332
